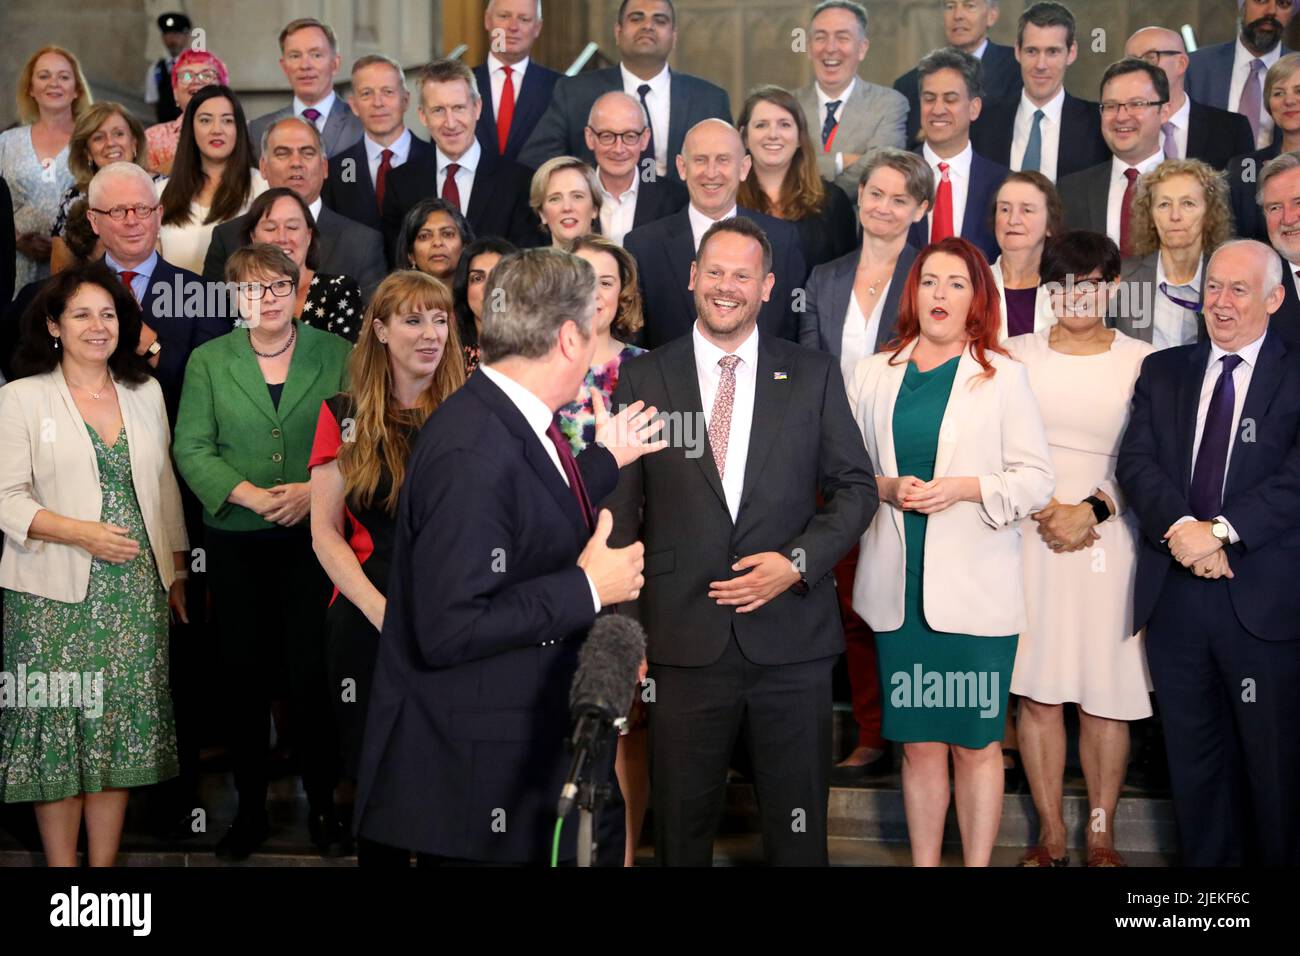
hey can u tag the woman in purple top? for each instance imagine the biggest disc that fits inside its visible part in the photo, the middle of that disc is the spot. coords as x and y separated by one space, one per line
1026 214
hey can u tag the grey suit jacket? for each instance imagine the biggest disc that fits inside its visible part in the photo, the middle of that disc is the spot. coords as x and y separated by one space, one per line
1134 309
342 128
873 116
829 289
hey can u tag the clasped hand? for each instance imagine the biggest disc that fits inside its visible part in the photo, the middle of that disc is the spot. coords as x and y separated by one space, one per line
1066 528
1194 546
769 574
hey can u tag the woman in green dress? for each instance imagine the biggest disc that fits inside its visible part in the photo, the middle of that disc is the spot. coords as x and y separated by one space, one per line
953 427
95 551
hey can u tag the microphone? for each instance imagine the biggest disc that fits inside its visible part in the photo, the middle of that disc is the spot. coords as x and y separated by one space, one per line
601 692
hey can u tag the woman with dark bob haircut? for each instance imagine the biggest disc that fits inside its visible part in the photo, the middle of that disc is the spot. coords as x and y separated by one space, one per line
96 554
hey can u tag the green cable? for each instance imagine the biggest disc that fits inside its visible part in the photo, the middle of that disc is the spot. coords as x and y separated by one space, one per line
555 844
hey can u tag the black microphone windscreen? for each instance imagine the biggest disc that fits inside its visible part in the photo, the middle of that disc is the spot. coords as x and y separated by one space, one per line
607 666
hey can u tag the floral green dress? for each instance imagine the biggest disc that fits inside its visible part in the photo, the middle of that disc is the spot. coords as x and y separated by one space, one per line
92 709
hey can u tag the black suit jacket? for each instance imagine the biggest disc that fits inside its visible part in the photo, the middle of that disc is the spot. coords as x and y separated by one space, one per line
985 179
802 440
560 130
1285 322
344 247
1261 498
350 191
1214 136
487 608
1080 145
1085 196
1001 80
657 199
498 203
532 97
664 251
1243 180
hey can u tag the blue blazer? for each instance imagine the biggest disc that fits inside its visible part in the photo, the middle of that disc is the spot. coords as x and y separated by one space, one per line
487 609
664 251
829 289
350 191
1261 497
1209 73
531 99
985 178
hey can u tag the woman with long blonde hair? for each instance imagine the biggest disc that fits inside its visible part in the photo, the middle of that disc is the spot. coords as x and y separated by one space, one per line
407 361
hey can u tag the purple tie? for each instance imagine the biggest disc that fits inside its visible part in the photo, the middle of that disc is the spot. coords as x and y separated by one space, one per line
312 114
1252 97
572 474
1206 494
1171 141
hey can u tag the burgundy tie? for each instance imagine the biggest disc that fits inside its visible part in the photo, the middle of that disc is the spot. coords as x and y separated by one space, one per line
1125 206
381 175
450 191
570 466
128 277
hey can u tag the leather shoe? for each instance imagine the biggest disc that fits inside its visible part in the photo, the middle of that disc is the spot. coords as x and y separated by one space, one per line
326 834
245 835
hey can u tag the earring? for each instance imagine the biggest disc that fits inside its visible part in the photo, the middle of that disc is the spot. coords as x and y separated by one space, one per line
56 342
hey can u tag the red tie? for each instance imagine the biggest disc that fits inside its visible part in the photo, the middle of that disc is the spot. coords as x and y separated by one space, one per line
571 472
1125 206
450 191
381 175
941 224
127 279
507 112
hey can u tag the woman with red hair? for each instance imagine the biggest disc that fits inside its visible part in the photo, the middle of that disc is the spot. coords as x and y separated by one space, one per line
193 70
951 423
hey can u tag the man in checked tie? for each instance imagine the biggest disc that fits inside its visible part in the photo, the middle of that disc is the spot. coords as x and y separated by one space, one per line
1210 465
739 602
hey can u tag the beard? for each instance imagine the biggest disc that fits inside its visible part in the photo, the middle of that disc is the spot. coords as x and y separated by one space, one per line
1262 35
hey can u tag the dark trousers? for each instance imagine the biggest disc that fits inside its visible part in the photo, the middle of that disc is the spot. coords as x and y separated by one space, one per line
859 657
1231 709
698 712
269 597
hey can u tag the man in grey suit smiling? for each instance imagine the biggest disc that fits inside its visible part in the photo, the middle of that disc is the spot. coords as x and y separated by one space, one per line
850 115
309 57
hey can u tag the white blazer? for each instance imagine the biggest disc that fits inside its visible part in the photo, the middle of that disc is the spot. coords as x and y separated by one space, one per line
1044 317
991 430
47 462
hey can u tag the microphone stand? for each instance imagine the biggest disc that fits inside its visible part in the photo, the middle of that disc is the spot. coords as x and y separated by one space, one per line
591 795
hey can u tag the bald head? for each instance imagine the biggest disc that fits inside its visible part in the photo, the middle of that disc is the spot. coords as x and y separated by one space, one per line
1163 48
616 110
618 119
1243 287
713 163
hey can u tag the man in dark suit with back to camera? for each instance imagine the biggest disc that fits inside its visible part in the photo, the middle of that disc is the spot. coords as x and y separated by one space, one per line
1210 464
358 176
515 88
739 603
500 566
713 163
645 33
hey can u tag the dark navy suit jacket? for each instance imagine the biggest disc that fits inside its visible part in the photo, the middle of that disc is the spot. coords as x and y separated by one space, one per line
356 199
1001 80
1080 145
985 178
532 97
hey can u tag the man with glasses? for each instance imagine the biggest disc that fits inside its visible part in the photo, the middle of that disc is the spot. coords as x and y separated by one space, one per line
515 88
1047 130
966 25
1230 75
1193 130
617 135
1134 108
309 58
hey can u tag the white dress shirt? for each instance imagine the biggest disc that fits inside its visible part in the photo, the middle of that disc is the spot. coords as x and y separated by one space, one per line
979 51
1118 183
1241 60
539 418
323 107
1241 377
709 373
1181 120
464 176
700 223
1171 324
497 76
823 98
401 149
958 176
617 213
315 207
859 337
659 100
1049 129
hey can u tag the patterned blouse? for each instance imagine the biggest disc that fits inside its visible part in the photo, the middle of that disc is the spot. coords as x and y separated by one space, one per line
333 304
36 193
161 140
578 419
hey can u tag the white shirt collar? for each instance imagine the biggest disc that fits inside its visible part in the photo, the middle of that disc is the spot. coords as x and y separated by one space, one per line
518 69
823 98
468 161
1183 118
959 165
632 190
1195 283
658 83
707 354
535 411
315 208
401 147
979 52
1117 165
1051 109
1249 353
1242 57
143 269
700 223
323 107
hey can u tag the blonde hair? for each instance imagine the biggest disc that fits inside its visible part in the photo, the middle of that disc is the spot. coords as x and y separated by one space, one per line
558 164
79 162
28 111
1216 227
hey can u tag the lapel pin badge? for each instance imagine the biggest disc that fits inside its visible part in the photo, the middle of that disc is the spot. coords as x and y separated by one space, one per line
779 376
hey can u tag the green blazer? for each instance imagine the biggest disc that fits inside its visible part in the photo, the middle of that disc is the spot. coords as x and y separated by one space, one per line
228 430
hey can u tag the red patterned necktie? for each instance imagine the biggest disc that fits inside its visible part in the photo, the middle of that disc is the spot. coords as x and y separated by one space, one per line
381 175
570 467
450 191
720 420
506 114
1125 207
941 225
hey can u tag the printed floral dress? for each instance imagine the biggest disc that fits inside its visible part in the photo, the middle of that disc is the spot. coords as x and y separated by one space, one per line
578 419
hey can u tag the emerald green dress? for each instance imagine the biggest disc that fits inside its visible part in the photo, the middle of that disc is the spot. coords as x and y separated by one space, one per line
117 730
937 687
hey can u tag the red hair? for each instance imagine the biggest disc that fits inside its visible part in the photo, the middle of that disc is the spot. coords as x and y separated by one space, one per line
983 321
